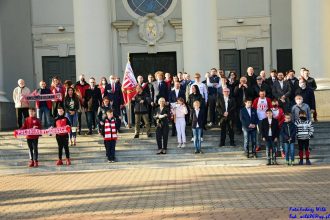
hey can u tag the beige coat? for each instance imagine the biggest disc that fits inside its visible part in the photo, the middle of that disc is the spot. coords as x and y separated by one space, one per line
18 93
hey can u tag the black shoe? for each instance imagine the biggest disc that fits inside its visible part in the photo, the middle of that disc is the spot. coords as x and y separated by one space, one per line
247 155
269 163
196 152
164 151
136 136
79 132
221 145
308 162
149 135
159 151
301 162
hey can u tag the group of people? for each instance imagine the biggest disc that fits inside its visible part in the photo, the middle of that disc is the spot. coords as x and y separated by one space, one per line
275 111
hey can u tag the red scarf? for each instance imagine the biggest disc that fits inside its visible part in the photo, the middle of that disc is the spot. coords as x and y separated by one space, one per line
110 131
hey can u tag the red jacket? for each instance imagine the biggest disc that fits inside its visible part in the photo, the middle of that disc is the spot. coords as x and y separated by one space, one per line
61 121
255 103
62 90
82 88
29 123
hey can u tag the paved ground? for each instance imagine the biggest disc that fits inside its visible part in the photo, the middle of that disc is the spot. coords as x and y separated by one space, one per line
198 192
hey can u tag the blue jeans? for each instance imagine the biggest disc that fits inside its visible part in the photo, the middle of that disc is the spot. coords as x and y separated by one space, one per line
249 135
289 151
74 122
44 111
197 133
271 149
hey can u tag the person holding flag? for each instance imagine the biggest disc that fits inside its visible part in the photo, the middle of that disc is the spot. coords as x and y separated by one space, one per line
129 88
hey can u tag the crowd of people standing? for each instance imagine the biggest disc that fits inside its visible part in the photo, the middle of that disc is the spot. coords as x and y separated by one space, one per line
273 111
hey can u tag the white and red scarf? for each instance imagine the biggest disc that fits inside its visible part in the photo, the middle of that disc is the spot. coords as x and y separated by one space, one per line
110 131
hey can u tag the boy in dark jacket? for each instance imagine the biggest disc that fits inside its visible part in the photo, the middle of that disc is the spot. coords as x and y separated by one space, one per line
62 139
270 132
109 133
32 140
288 134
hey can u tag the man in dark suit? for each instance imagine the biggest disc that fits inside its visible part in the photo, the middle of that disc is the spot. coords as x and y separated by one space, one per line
161 89
176 93
114 93
273 77
249 119
294 84
226 107
93 99
282 92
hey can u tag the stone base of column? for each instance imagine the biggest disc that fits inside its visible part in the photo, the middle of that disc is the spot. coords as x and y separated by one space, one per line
322 104
7 116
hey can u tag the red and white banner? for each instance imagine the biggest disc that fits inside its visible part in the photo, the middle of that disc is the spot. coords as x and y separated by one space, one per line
129 84
33 131
43 97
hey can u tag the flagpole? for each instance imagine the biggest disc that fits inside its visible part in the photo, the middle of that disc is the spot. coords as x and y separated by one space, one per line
129 106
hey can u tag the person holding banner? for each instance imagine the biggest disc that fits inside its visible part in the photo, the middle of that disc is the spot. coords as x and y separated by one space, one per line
21 105
62 138
71 106
57 87
44 107
32 140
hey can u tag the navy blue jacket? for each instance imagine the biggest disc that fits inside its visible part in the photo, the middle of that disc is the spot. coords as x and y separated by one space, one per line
163 91
246 120
172 96
288 131
199 119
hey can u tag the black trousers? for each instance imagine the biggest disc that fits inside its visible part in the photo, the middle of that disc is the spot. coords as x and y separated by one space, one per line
211 108
21 113
162 137
303 145
79 120
173 128
33 146
227 125
110 149
63 142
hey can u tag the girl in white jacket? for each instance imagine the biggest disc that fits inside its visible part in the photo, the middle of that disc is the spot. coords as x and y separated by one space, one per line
179 111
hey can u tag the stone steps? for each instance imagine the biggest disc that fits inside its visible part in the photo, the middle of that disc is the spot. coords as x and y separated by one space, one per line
89 154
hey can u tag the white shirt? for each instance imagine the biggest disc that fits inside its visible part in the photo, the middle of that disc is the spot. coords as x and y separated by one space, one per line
202 89
197 112
262 106
270 128
226 103
249 111
176 92
281 84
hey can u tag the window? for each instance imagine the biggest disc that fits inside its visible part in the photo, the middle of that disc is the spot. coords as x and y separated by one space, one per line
143 7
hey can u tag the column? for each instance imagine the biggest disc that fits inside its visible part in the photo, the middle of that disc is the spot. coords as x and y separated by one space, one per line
199 32
310 38
92 38
2 80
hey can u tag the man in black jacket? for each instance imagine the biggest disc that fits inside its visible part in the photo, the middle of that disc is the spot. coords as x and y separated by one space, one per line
141 111
262 85
282 91
93 99
294 84
226 108
270 132
273 77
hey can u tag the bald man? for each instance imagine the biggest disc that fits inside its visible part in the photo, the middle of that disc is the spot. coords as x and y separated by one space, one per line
22 106
226 108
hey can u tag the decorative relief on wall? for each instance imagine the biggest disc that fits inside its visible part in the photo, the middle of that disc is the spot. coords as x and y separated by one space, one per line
151 28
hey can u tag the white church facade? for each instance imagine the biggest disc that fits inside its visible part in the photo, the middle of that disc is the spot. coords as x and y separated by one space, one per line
43 38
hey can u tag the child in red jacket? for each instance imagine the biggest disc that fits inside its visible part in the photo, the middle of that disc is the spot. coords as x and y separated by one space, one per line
62 139
32 140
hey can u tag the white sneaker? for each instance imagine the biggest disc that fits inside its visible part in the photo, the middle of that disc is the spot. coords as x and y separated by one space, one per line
183 145
192 139
210 124
202 140
179 145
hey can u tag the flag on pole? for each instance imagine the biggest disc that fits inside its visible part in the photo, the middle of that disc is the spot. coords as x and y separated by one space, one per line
129 84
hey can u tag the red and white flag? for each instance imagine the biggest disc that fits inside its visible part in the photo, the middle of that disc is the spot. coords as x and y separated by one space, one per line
129 84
